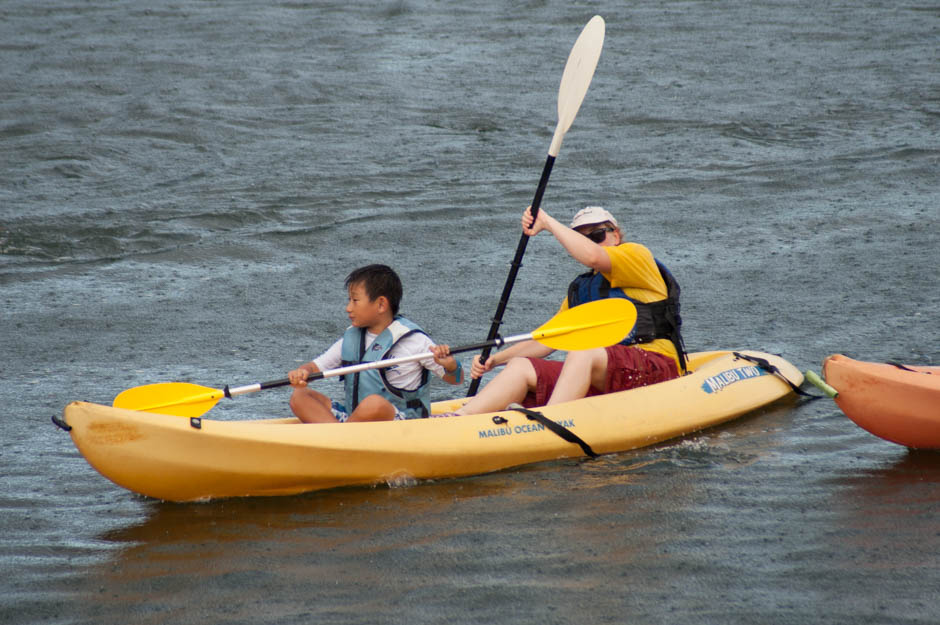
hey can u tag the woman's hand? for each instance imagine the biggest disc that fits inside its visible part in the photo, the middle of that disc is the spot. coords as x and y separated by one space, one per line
477 369
533 225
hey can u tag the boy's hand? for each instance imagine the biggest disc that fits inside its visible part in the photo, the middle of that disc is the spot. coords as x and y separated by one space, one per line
441 354
298 377
451 365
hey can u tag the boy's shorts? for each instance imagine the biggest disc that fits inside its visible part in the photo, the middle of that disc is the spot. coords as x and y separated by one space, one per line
339 411
628 367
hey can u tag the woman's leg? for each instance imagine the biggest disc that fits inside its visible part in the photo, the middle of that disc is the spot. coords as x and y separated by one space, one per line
511 385
581 371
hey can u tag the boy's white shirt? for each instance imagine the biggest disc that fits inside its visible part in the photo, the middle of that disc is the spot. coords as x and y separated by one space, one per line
407 375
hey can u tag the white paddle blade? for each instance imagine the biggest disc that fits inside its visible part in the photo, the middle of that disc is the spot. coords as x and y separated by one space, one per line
579 70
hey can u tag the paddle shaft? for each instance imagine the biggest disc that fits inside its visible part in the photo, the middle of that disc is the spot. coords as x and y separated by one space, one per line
594 324
513 271
379 364
579 70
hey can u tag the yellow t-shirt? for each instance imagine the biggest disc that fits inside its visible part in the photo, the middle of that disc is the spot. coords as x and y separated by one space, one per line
633 269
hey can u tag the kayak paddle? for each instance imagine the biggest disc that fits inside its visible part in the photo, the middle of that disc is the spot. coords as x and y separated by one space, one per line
595 324
579 70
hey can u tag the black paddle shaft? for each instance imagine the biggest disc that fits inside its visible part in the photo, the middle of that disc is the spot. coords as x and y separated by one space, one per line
513 270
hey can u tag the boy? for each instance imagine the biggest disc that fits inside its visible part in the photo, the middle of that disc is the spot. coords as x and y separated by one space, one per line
377 332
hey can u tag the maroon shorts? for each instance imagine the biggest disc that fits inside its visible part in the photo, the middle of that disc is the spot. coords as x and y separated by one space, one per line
627 367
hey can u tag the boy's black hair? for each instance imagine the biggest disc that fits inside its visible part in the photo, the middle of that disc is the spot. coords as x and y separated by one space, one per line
378 280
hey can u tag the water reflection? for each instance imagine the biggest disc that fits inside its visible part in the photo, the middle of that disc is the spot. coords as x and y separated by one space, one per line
714 514
883 531
547 535
551 532
911 466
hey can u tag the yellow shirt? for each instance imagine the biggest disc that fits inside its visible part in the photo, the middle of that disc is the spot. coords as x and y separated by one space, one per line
633 269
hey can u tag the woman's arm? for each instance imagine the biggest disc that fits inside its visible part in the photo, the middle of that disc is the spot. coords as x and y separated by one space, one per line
581 248
525 349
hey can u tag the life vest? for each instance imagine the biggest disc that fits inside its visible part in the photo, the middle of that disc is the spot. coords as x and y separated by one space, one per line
654 320
414 404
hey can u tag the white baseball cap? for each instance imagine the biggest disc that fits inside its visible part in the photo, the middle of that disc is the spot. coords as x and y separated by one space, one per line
592 215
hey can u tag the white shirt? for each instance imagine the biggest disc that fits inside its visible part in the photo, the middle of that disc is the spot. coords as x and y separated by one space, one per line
407 375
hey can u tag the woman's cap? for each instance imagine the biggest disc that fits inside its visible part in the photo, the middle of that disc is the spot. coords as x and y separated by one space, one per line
592 215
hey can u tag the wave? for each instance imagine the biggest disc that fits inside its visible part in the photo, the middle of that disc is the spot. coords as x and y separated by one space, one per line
34 246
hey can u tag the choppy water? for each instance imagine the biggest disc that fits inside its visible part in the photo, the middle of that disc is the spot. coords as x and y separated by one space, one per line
184 186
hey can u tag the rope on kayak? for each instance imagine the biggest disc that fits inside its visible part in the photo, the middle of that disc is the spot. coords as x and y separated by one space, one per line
556 428
767 366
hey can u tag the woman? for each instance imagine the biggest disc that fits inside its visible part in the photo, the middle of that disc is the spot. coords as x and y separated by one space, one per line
652 353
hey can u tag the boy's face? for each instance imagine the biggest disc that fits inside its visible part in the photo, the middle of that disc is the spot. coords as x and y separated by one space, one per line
364 312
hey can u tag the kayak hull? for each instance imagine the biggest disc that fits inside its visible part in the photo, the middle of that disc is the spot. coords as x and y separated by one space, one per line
178 459
900 405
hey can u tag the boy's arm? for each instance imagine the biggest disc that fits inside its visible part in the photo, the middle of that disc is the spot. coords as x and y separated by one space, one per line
453 371
298 376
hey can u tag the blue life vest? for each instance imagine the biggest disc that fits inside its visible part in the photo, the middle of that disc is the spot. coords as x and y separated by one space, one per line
414 404
654 320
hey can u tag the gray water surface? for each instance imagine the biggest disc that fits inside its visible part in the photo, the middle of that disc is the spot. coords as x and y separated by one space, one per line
185 185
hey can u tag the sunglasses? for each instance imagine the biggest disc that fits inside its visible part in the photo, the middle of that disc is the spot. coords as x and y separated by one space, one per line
599 235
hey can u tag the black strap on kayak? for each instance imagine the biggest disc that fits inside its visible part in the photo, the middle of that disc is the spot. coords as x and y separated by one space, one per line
906 368
556 428
61 423
767 366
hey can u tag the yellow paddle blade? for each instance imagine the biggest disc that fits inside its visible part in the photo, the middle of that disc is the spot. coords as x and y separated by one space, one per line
180 399
595 324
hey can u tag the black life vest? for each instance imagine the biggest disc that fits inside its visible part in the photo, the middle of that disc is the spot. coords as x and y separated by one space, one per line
654 320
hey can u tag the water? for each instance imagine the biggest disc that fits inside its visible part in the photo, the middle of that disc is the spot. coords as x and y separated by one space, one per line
185 185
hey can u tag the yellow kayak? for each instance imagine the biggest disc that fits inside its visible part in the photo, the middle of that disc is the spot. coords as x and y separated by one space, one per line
179 459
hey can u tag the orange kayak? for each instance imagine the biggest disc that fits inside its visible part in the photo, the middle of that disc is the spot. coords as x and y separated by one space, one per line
899 403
